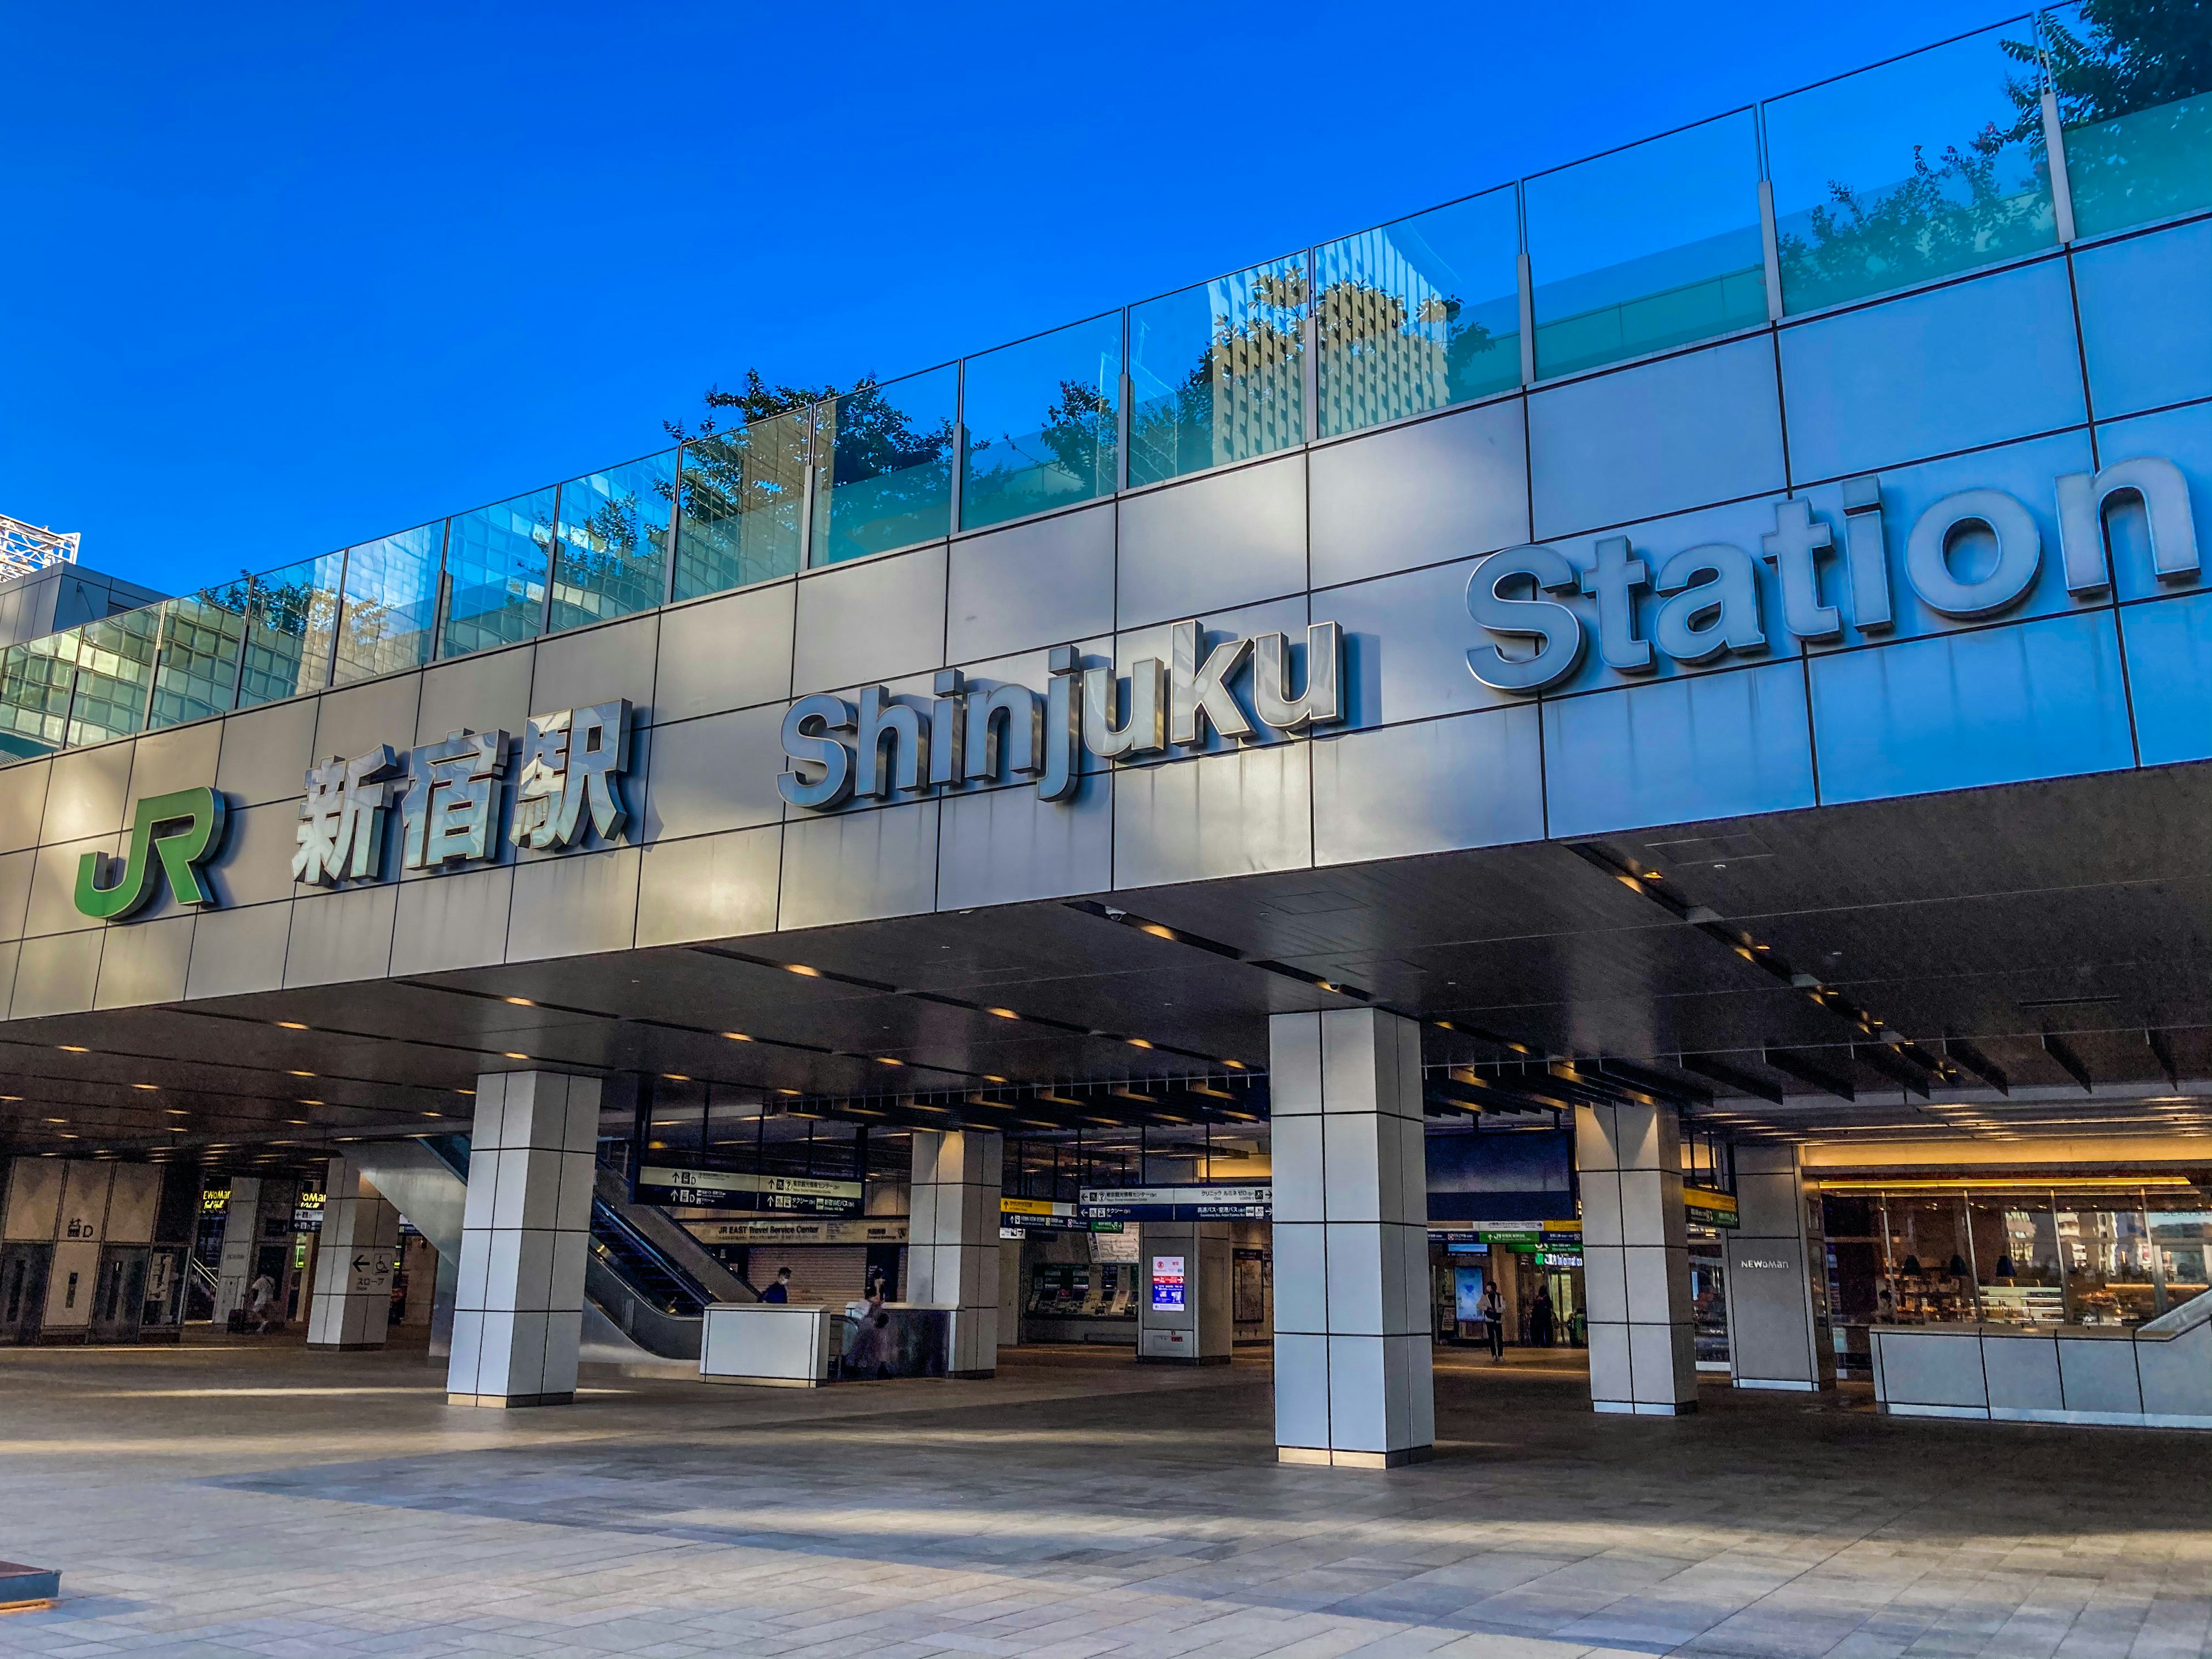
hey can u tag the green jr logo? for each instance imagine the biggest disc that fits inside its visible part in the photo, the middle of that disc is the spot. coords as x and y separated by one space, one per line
184 830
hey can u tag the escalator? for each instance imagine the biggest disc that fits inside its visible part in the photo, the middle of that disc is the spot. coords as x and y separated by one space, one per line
645 1279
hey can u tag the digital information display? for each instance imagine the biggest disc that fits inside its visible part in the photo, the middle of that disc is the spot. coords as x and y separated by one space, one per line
1168 1284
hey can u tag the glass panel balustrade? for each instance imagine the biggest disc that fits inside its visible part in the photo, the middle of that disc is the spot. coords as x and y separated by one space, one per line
1655 245
1043 423
391 603
114 674
1217 373
610 550
2135 99
495 565
883 458
1907 173
743 504
35 682
1420 314
288 630
203 637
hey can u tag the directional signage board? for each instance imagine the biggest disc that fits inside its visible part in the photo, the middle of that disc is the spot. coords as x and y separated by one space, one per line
746 1189
1210 1201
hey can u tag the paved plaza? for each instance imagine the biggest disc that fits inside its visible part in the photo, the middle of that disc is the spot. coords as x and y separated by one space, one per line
219 1500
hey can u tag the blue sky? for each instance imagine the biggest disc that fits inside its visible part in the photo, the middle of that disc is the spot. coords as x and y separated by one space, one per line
283 278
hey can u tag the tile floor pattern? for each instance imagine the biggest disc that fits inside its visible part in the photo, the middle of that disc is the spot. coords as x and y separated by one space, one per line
222 1501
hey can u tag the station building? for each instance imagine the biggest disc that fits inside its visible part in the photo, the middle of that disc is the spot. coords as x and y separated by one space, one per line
1637 740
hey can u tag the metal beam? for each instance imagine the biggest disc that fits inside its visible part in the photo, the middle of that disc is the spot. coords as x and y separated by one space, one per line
2069 1061
1729 1077
1805 1072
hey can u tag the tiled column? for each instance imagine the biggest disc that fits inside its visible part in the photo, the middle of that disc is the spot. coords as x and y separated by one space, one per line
352 1305
241 1239
1352 1383
1777 1277
952 1240
518 1310
1636 1260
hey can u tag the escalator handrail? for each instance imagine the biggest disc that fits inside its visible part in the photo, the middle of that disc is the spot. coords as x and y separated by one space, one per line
605 1215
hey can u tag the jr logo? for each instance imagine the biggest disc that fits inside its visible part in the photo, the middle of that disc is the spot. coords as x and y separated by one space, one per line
184 830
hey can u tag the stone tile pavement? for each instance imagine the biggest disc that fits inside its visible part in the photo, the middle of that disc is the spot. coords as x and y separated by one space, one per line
226 1500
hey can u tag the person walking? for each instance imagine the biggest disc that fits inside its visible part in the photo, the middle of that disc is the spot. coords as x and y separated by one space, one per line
780 1292
1493 1316
1539 1323
261 1304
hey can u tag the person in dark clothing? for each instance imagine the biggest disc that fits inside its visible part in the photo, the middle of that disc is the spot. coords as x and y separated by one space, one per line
780 1292
1493 1315
1539 1324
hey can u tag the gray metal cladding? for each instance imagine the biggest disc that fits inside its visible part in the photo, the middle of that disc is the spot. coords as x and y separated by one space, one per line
873 619
2169 652
1417 494
1222 540
2146 319
1373 797
1045 581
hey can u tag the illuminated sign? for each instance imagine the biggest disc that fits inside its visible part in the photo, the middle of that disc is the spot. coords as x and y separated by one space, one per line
747 1189
1168 1284
1210 1201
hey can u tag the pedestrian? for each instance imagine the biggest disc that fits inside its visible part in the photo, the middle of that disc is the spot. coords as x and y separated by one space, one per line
261 1304
1539 1322
780 1292
1493 1315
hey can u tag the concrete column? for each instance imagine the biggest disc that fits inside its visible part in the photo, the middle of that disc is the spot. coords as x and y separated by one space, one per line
241 1241
1200 1328
952 1240
519 1308
1777 1277
1352 1383
1636 1260
352 1305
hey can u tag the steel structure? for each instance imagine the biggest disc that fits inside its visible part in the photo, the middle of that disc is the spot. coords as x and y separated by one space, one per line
25 548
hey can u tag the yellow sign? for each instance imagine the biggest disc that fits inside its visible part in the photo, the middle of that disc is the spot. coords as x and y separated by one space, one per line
1711 1209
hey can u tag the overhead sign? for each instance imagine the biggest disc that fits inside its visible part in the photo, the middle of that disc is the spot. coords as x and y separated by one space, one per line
1044 1215
179 832
1250 1202
746 1189
880 745
1709 1208
1699 605
873 1230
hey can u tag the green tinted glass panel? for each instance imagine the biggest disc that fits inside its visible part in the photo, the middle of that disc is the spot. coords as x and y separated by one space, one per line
744 498
114 674
1904 173
610 553
34 697
495 560
1420 314
287 630
197 673
1042 421
391 603
1217 373
1655 245
2134 81
884 460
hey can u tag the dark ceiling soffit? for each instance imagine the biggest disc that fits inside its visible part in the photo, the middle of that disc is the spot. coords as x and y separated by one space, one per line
1809 1072
2069 1062
1729 1077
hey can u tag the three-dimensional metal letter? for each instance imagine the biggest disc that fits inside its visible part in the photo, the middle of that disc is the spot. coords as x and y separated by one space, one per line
183 831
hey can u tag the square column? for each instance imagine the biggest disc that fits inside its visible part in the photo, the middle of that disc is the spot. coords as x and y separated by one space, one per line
519 1308
352 1305
1636 1260
1777 1277
241 1240
952 1240
1353 1383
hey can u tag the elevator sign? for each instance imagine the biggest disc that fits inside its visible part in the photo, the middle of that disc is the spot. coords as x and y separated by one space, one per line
1168 1284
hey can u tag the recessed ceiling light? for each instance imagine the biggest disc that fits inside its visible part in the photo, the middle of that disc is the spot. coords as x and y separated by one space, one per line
291 1025
297 1122
737 1036
145 1085
511 1054
1234 1065
299 1073
802 970
521 1002
1002 1013
992 1077
675 1077
434 1115
464 1092
311 1102
72 1049
176 1128
56 1120
1137 1043
885 1060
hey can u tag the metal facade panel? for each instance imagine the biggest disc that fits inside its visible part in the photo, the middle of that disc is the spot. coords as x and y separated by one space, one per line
22 803
56 975
255 864
1472 781
869 621
726 653
354 720
1216 542
716 773
341 936
857 867
1437 489
164 762
2169 647
709 887
85 791
1679 751
144 964
2037 700
238 951
2182 436
1406 640
266 752
1006 846
489 692
574 906
1679 433
458 921
1043 583
2146 328
589 666
1235 814
53 887
15 869
1952 368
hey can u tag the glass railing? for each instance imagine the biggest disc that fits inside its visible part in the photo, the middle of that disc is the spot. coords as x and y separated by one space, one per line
1913 170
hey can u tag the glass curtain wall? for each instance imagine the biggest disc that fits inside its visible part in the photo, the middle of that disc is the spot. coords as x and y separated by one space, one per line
883 466
1217 373
1910 171
1042 423
391 609
35 683
2134 83
742 504
1420 314
1653 246
114 661
289 630
202 639
495 570
610 550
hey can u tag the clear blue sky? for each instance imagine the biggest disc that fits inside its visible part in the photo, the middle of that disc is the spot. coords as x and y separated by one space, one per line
279 279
